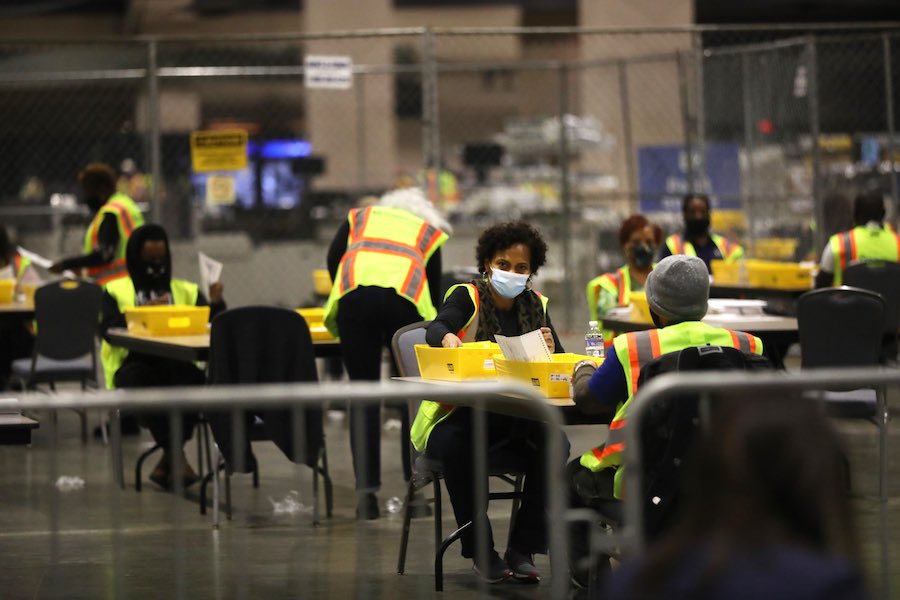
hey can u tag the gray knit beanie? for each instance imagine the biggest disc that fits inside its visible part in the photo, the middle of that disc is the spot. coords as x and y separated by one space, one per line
678 288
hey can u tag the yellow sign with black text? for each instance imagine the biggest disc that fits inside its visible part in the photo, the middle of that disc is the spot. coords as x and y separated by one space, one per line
218 150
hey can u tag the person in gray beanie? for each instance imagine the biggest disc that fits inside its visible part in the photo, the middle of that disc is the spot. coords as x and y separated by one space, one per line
677 293
678 289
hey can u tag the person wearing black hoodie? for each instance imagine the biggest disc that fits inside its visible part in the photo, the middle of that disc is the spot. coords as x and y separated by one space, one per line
149 283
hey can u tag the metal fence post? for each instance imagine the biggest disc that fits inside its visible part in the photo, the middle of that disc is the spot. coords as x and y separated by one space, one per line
750 185
627 141
686 123
813 99
431 154
700 107
360 88
889 108
153 130
565 194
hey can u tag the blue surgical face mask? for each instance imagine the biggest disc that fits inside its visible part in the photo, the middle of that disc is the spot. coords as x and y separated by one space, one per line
508 284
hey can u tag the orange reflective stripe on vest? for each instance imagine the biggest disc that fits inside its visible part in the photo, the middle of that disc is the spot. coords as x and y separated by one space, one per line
643 346
415 277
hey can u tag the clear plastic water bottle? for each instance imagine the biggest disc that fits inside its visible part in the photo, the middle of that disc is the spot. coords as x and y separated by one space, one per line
593 341
393 505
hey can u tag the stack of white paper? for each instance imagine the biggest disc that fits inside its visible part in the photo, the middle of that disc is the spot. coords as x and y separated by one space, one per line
529 347
210 272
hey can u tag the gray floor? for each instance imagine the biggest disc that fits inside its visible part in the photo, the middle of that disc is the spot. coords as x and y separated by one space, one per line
112 543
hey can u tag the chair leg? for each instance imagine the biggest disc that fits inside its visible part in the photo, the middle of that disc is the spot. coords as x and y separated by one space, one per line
516 504
140 465
315 495
326 478
255 473
82 414
439 556
407 519
115 447
438 534
227 495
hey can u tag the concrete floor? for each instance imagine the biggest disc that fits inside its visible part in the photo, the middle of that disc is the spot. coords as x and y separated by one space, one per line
111 543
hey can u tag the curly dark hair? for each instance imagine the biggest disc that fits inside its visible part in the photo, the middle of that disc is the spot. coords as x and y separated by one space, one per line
634 223
504 235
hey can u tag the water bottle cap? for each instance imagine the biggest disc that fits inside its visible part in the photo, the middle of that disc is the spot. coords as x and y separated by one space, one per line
591 323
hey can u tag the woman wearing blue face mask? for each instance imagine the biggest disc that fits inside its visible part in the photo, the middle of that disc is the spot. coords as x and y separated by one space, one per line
640 240
500 301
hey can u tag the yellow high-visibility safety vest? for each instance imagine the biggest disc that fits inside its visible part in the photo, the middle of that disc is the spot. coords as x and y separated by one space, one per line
634 350
730 251
431 413
862 243
128 218
184 293
389 248
20 263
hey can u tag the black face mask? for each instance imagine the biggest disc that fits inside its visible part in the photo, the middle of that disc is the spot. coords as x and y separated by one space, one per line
643 256
696 227
156 272
94 203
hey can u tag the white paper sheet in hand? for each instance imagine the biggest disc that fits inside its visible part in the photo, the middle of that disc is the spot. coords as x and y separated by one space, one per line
210 271
529 347
44 263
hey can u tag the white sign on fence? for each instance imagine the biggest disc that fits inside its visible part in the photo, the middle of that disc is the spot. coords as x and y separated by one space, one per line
328 72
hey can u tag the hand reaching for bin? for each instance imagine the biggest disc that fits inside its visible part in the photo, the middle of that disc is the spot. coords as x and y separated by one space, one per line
450 340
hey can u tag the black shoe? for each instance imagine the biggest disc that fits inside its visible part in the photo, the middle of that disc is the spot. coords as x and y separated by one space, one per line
367 507
495 571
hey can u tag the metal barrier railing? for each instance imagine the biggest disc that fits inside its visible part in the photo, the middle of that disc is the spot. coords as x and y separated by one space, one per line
629 539
508 398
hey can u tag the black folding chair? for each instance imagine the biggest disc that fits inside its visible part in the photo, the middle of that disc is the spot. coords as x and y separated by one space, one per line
265 344
883 278
67 314
843 327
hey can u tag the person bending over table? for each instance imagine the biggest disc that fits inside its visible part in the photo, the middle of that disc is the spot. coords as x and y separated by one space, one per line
639 240
17 334
385 262
114 217
502 301
677 294
150 283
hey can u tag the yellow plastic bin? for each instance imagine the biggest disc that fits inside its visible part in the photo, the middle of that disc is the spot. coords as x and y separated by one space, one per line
321 282
475 360
167 320
7 290
780 275
726 273
315 321
640 309
552 377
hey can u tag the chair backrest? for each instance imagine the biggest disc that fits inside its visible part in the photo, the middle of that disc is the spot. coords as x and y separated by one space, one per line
403 345
265 344
669 429
840 327
68 318
882 277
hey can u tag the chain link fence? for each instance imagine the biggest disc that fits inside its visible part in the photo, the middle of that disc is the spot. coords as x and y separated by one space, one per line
572 129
